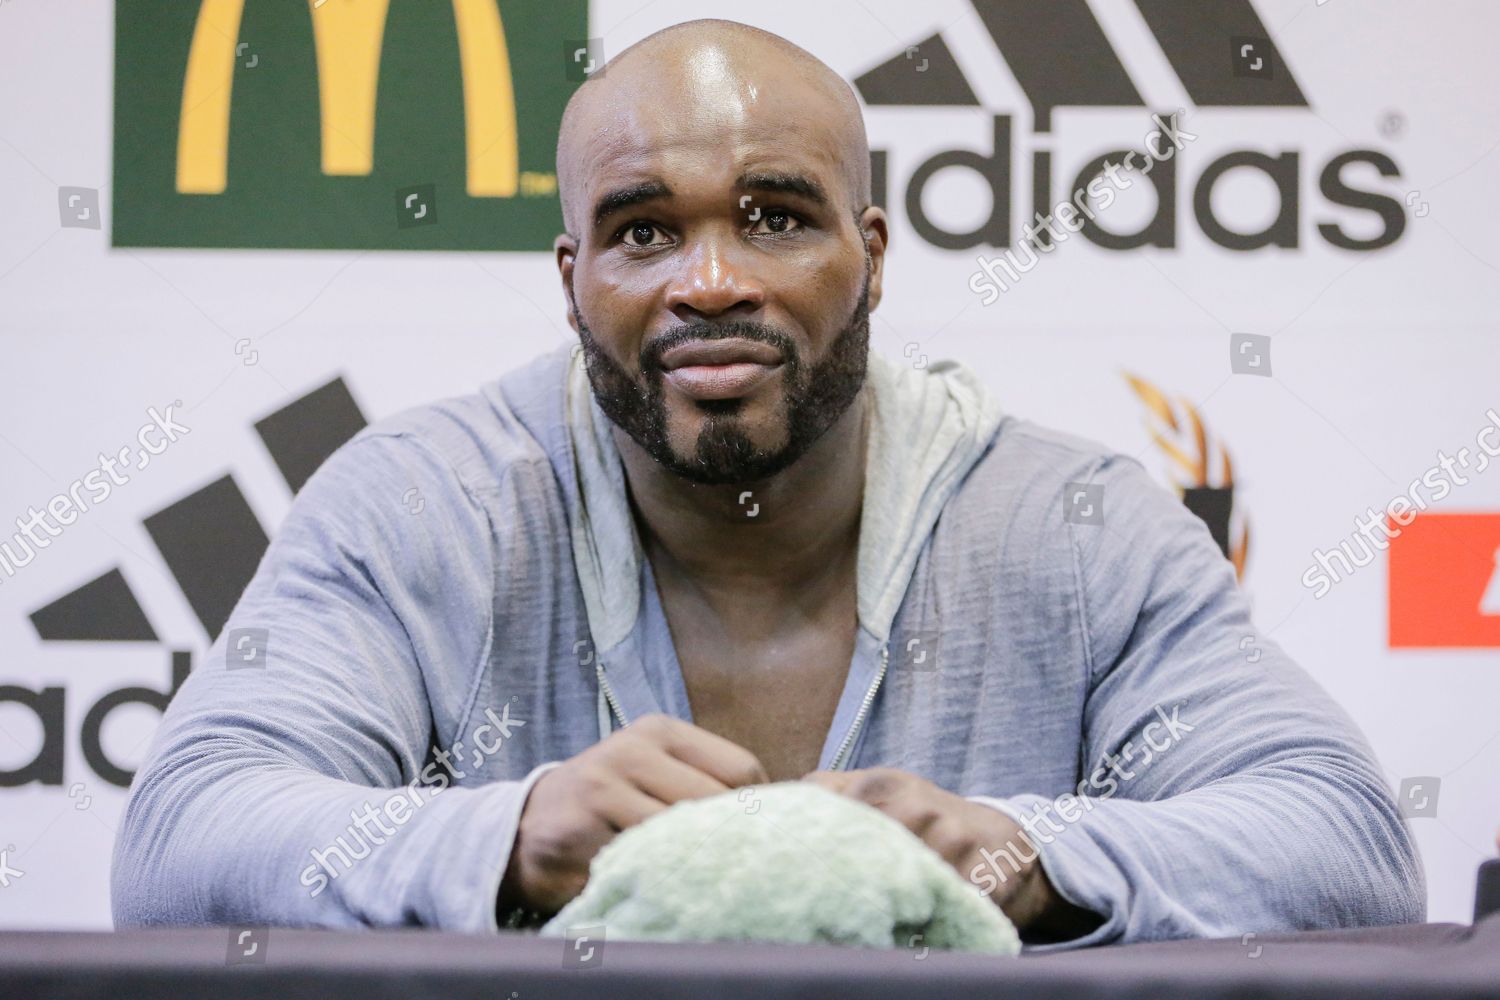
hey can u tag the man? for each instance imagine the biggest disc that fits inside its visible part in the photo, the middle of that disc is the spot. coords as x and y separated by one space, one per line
723 544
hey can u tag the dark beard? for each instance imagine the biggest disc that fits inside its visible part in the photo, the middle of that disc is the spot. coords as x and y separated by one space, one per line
816 396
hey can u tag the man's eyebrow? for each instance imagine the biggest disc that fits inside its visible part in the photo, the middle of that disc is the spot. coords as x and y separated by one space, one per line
784 183
624 197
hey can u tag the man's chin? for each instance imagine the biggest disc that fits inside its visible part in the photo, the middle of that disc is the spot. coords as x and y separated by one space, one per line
726 450
738 473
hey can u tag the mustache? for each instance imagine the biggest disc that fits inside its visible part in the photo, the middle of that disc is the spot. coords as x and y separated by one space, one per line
653 350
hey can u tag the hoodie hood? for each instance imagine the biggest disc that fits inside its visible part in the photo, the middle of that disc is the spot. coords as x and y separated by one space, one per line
928 427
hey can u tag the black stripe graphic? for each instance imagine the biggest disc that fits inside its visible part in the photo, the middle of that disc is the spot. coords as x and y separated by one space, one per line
924 74
211 540
302 434
1058 54
1213 505
212 543
102 610
1202 42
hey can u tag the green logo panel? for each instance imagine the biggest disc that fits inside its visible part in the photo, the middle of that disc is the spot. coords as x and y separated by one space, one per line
324 124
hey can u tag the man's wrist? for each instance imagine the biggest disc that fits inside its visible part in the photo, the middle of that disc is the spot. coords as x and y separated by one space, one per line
517 918
513 908
1041 913
512 912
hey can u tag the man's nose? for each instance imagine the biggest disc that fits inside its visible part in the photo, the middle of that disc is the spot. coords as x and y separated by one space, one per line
715 278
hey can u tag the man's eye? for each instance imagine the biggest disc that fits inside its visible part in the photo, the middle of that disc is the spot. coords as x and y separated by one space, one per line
639 234
774 220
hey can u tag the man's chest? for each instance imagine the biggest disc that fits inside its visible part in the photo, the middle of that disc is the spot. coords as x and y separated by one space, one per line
774 692
776 700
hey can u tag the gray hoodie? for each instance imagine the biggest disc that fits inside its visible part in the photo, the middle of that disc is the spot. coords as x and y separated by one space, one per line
458 601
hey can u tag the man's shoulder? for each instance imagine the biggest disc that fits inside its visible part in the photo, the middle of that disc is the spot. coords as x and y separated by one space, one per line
513 422
1048 496
1031 464
474 467
1049 490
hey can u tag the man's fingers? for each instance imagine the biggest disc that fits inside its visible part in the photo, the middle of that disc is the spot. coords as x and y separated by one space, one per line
880 785
889 791
728 763
669 780
834 781
624 805
949 837
874 786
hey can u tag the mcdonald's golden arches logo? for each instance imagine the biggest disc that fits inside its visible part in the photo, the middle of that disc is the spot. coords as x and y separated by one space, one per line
406 92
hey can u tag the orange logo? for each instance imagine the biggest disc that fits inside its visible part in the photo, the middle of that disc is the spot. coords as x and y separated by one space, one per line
1445 581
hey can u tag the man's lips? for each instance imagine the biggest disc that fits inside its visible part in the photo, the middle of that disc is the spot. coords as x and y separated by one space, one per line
728 351
720 369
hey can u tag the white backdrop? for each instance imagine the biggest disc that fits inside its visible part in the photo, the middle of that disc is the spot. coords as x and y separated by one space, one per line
1380 358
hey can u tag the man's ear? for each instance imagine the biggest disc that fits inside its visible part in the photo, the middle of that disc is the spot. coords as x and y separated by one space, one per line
875 231
565 248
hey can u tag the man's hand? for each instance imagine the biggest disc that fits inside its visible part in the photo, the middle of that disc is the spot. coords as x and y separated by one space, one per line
578 807
958 830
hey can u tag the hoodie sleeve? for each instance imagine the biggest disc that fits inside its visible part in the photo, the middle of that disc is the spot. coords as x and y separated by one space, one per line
1222 790
300 747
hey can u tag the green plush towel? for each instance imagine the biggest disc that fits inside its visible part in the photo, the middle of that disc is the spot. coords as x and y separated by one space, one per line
784 862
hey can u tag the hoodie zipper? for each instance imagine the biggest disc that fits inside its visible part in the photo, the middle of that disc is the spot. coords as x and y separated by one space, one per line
864 710
609 695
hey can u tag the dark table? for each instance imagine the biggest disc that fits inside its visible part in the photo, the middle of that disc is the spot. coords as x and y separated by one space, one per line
1423 960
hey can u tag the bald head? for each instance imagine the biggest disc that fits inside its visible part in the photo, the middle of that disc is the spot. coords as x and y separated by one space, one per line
713 80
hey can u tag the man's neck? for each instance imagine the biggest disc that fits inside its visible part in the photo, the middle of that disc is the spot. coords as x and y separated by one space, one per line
792 532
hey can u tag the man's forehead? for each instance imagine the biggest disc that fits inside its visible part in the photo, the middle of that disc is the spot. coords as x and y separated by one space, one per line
683 145
708 153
